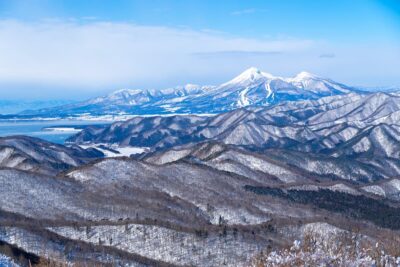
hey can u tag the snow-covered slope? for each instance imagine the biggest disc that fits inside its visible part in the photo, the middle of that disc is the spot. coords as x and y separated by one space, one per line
388 188
251 88
200 204
317 134
256 88
36 155
180 213
307 125
279 166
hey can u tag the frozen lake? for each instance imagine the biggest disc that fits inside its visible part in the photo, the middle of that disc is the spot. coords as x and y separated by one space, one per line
38 128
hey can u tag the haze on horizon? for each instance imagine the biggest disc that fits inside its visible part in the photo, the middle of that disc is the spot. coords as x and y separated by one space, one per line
79 49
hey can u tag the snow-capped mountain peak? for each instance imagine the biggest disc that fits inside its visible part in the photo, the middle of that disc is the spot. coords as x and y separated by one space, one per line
121 95
125 92
302 76
315 84
258 88
250 75
305 75
252 87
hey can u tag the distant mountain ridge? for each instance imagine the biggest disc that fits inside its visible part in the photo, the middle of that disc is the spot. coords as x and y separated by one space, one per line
353 136
253 87
16 106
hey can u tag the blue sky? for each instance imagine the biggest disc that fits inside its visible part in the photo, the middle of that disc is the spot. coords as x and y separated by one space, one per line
77 48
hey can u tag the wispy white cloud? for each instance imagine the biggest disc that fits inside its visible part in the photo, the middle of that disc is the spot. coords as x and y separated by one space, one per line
94 55
108 54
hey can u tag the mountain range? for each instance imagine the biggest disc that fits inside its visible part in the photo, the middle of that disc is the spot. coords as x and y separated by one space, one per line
353 136
284 170
251 88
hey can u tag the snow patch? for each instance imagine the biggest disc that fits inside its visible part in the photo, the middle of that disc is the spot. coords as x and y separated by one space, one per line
111 151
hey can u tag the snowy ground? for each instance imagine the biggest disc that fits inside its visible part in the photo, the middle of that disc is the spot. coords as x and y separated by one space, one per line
62 129
163 244
325 245
120 151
